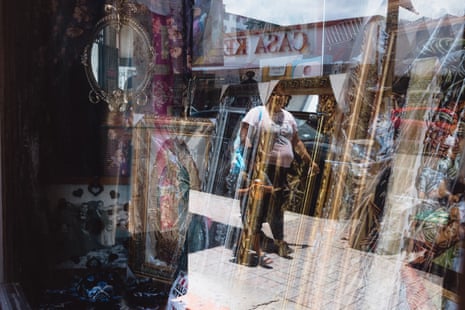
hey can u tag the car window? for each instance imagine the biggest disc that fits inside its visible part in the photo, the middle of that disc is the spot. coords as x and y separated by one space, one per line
307 132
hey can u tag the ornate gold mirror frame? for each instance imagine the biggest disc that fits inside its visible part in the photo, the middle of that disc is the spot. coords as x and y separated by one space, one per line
321 87
303 185
119 60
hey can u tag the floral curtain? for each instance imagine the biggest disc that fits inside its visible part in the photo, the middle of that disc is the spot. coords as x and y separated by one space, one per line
171 37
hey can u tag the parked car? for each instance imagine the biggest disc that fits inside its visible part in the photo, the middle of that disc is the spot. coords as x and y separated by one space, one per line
308 126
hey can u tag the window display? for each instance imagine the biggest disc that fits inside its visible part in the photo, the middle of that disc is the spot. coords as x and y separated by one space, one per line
149 200
170 158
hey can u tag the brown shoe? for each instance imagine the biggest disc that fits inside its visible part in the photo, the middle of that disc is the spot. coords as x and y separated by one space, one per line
283 248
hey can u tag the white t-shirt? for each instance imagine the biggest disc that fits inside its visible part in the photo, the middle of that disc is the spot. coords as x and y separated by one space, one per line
281 129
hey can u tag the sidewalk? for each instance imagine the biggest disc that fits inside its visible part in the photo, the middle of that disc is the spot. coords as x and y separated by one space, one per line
325 273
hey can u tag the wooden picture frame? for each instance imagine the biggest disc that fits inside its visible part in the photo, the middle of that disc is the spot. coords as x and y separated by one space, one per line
170 157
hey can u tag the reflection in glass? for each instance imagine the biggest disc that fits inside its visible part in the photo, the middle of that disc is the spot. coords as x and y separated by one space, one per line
114 58
118 63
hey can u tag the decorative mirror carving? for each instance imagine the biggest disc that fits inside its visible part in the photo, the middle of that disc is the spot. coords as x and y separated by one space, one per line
119 60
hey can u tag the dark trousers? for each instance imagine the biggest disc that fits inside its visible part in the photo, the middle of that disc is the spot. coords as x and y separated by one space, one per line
270 209
274 202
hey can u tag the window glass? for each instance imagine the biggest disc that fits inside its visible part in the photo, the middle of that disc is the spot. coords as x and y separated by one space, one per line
237 153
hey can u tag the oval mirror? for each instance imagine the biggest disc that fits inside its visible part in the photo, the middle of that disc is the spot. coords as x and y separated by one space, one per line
118 63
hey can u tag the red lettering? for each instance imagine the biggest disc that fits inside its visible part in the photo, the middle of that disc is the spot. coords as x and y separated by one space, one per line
242 49
285 45
272 47
229 47
271 43
302 37
261 48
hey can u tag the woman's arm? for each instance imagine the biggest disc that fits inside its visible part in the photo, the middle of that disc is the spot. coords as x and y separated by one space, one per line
243 133
301 150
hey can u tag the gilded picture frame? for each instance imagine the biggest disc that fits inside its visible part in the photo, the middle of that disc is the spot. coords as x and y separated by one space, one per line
312 194
170 157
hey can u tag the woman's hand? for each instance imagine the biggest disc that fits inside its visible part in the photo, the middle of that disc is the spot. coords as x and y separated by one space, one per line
308 160
315 168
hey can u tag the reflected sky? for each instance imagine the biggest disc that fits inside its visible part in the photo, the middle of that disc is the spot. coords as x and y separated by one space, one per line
292 12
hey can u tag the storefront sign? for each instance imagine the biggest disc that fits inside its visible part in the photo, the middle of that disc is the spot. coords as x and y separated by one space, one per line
251 47
266 43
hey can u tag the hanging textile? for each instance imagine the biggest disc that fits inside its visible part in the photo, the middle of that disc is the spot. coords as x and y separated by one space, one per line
171 42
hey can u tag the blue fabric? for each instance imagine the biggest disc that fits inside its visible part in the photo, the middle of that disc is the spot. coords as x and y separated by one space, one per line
238 163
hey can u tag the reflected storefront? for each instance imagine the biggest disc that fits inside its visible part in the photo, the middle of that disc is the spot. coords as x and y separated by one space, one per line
128 181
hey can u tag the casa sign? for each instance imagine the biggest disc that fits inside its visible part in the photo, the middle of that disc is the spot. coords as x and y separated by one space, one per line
261 44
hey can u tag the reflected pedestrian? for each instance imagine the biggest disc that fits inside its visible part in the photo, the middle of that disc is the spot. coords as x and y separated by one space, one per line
280 129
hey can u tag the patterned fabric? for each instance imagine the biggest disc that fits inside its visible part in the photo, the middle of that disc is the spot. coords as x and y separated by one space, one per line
171 42
72 27
434 233
431 177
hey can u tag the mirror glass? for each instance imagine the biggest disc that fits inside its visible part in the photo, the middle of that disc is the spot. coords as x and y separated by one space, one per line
119 57
118 63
